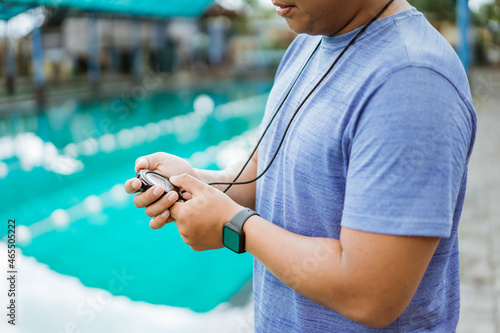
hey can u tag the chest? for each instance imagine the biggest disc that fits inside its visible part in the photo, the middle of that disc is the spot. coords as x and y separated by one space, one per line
309 129
303 190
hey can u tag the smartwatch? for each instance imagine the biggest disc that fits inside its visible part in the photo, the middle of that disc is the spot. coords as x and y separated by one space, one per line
233 236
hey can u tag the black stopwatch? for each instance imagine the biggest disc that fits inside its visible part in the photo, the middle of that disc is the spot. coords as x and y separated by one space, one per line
150 178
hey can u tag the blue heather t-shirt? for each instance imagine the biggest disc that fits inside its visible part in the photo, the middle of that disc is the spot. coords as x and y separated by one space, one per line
382 146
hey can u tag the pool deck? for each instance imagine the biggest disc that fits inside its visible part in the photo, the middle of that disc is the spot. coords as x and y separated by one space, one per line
480 224
113 85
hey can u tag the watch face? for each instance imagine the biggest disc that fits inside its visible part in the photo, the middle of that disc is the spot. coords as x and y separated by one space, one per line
231 238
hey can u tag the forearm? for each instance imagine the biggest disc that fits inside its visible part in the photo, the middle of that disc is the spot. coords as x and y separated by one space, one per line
360 276
310 266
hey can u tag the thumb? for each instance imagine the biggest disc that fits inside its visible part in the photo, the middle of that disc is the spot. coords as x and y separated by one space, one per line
188 183
142 163
149 162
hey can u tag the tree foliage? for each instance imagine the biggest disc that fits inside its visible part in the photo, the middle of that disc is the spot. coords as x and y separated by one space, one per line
440 10
488 13
489 17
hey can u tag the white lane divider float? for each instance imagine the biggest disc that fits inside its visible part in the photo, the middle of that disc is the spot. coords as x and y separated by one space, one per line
60 219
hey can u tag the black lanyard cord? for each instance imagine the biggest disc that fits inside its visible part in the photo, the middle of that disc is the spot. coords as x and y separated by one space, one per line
268 125
234 182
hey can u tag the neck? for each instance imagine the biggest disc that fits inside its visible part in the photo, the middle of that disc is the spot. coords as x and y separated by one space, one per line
366 10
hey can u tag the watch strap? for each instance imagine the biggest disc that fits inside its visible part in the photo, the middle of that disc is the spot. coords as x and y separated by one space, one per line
241 217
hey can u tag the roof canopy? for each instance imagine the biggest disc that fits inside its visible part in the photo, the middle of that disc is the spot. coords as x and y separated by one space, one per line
9 11
156 8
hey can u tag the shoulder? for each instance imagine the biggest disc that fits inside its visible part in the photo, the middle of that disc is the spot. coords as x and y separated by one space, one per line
409 146
418 87
415 104
409 51
417 44
426 47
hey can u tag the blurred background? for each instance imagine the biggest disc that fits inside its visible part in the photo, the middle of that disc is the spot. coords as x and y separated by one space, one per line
86 87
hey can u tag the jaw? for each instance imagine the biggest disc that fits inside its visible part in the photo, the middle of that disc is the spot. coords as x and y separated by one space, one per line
336 17
324 18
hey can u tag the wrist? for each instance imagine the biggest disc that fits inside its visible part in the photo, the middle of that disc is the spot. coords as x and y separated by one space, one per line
231 212
233 236
253 223
198 174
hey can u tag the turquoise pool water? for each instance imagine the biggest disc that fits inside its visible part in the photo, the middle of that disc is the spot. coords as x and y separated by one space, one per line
61 172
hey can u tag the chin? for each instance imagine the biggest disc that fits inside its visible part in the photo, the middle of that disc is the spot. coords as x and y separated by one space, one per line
297 28
301 28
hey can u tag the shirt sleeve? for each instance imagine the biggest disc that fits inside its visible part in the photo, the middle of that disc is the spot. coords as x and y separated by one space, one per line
408 156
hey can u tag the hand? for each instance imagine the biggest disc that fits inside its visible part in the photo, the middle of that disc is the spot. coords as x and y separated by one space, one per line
168 166
200 220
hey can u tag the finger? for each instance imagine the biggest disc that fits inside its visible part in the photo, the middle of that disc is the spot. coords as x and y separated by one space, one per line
186 196
147 198
142 163
132 185
188 183
159 206
159 221
177 209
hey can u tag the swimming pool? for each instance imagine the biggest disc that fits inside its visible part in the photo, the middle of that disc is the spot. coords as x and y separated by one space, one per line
62 172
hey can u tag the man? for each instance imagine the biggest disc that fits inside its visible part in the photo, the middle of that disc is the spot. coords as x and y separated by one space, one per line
360 208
